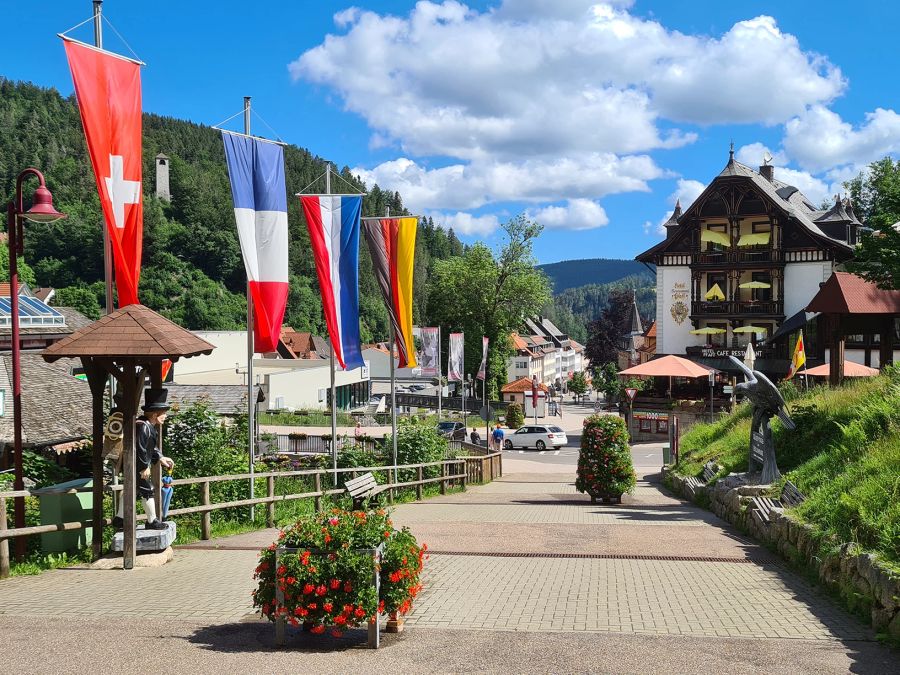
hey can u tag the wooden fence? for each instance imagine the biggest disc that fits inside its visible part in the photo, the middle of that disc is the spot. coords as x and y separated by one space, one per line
451 472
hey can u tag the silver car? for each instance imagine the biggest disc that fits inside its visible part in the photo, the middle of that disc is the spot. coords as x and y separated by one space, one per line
539 436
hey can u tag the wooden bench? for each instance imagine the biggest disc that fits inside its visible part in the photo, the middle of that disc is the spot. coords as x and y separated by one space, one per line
756 455
763 506
710 469
363 489
791 496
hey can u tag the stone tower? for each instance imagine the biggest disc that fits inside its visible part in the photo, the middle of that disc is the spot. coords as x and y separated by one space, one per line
162 178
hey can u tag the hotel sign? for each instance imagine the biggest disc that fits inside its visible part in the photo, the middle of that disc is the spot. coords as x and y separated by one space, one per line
723 353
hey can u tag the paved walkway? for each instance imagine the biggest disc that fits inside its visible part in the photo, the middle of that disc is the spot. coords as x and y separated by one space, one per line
652 585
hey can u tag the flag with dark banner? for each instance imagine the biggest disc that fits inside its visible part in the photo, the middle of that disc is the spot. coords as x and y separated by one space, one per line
799 357
108 88
455 362
333 223
534 391
256 170
430 356
482 369
392 245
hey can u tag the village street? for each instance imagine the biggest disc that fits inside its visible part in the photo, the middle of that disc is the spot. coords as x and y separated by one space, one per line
524 575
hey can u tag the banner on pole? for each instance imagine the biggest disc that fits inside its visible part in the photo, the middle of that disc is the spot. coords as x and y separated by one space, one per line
333 222
429 357
455 362
482 369
108 89
256 170
392 245
534 392
799 357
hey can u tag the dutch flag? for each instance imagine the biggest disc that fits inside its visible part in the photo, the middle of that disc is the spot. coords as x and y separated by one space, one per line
256 170
333 222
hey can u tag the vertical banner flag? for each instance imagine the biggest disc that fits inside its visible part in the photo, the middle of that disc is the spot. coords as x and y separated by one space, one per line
455 362
256 170
392 245
333 222
108 89
431 365
482 369
534 391
799 357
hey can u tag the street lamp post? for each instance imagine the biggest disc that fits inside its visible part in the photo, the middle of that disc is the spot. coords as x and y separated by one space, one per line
712 383
41 211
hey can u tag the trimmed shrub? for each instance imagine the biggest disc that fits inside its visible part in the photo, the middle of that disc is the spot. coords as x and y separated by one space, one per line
515 417
605 468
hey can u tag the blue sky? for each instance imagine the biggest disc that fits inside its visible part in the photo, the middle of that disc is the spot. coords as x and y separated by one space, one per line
591 118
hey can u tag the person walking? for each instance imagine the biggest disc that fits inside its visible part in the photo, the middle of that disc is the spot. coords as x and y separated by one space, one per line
475 437
497 435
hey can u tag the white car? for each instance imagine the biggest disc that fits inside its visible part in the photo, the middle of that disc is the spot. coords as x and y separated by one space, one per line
538 436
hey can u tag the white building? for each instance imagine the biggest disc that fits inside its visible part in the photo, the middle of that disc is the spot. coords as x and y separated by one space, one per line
291 383
749 253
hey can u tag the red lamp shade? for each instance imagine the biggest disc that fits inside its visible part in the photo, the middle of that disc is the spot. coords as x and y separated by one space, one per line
42 210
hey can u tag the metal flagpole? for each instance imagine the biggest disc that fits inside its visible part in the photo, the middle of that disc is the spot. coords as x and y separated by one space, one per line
462 382
387 213
333 387
440 375
251 399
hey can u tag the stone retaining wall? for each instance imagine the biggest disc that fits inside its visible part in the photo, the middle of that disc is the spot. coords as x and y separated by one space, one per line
865 585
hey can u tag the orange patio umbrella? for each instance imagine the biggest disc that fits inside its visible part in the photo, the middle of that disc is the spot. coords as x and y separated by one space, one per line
667 366
851 369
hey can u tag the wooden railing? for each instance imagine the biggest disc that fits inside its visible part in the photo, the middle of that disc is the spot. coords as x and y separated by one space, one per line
452 472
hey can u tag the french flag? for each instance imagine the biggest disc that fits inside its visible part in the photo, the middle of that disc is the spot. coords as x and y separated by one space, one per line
333 222
256 169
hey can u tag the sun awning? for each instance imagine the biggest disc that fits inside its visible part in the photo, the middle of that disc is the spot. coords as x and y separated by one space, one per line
754 239
755 284
851 369
667 366
715 293
749 329
715 237
707 330
796 322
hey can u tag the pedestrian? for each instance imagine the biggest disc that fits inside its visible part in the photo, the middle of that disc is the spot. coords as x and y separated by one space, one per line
498 438
475 437
358 431
147 454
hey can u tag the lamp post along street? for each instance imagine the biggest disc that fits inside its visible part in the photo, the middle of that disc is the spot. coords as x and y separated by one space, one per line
41 211
712 383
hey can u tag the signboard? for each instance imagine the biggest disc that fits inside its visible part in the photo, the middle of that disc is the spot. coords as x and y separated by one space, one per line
486 413
757 443
650 415
631 392
728 389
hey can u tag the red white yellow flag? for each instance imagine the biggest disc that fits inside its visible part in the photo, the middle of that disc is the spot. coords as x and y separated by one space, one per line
108 88
799 357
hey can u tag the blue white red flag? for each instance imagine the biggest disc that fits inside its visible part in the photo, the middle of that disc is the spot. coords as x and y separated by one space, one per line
256 169
333 222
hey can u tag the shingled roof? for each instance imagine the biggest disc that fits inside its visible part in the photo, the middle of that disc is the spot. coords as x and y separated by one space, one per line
224 399
133 332
56 407
846 293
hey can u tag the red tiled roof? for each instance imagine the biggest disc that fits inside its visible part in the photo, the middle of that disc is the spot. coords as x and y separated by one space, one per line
523 384
846 293
651 330
4 289
133 332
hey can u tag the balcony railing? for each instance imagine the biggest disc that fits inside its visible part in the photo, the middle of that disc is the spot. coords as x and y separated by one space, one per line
741 256
737 307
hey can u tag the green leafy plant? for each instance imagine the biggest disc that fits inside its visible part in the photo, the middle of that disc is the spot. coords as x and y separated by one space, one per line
605 467
515 417
327 581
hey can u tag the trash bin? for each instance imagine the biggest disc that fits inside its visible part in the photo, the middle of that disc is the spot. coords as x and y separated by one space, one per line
57 505
667 454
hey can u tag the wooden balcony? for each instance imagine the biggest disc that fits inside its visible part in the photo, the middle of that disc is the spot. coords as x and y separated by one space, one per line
741 257
737 308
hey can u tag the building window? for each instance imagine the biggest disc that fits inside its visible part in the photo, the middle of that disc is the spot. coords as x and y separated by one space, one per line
662 426
762 294
646 425
719 339
716 227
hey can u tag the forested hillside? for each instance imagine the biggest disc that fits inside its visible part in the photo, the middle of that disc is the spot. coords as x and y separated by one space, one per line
574 308
192 268
594 271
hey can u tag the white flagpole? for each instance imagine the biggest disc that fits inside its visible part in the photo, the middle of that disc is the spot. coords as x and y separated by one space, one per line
440 373
387 213
333 387
251 399
462 381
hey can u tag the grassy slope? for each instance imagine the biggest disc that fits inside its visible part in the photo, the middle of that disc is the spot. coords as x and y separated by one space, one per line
844 455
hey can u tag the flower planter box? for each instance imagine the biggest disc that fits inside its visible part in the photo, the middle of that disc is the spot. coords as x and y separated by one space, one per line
374 638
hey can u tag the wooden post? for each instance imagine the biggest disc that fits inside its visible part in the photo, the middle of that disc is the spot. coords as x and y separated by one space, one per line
97 382
443 479
205 524
270 507
886 342
836 357
419 486
318 498
4 543
130 392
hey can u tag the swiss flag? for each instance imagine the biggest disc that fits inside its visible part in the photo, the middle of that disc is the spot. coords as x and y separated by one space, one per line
108 88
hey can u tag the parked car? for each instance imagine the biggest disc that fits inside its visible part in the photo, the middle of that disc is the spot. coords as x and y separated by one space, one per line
455 431
418 387
538 436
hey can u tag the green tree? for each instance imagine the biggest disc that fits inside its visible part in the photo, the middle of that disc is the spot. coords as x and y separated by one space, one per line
485 294
82 297
515 417
605 334
26 274
876 200
578 384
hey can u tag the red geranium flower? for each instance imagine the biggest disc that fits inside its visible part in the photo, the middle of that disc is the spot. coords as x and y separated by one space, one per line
317 629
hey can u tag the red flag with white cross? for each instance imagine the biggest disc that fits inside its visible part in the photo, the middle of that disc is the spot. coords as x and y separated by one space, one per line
108 88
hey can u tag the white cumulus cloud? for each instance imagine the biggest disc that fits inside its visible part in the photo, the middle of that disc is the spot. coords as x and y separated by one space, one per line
686 191
577 214
466 223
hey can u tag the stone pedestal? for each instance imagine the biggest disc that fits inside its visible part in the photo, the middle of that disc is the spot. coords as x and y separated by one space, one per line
148 540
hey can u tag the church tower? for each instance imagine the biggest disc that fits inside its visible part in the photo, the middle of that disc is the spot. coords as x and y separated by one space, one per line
162 178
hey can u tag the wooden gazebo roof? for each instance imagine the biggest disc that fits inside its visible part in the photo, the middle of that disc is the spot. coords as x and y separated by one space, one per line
846 293
132 332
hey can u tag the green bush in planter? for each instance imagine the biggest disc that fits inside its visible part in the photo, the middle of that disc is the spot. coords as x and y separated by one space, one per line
605 468
515 418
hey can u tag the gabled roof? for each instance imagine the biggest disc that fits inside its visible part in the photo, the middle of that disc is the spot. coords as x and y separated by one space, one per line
523 384
224 399
651 330
132 332
4 289
841 212
846 293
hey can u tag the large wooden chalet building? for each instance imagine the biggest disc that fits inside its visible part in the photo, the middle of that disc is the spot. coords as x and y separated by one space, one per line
750 252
